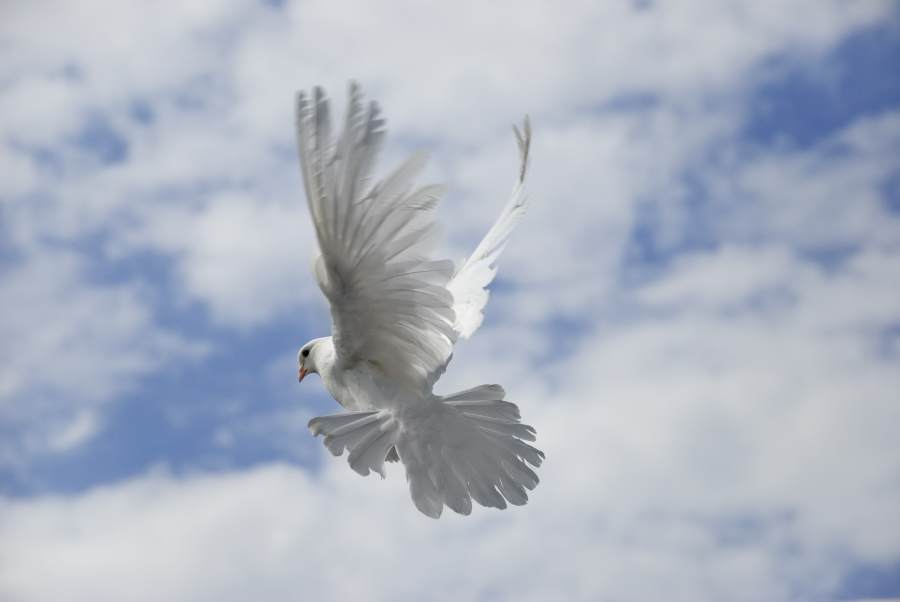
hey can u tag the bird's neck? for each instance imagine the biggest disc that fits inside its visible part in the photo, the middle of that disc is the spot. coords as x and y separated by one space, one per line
323 354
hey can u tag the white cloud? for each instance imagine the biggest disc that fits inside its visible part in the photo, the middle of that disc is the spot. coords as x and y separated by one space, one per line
39 109
825 197
69 345
19 174
189 539
245 257
69 337
728 278
84 426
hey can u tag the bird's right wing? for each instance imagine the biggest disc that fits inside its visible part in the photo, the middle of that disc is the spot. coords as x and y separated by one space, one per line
389 302
469 284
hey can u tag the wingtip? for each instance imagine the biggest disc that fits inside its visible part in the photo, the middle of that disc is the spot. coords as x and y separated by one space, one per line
523 140
523 136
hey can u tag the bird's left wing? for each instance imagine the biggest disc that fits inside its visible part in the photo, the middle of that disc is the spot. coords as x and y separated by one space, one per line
469 284
389 303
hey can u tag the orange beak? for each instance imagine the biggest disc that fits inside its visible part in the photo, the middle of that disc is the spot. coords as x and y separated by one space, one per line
301 374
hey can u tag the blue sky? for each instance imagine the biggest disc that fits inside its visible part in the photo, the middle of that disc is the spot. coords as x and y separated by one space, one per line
699 313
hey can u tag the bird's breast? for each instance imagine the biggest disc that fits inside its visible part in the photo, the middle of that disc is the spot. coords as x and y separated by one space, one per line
364 387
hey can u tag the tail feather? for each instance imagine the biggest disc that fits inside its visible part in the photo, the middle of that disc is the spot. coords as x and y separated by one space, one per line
481 394
502 410
500 427
470 445
521 473
519 449
513 492
331 424
370 454
456 492
369 436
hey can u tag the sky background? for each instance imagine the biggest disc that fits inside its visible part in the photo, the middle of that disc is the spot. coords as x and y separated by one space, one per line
700 313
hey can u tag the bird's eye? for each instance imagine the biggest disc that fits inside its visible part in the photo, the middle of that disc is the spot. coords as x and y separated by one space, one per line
305 352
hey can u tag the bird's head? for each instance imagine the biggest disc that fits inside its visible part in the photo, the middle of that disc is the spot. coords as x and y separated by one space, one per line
312 356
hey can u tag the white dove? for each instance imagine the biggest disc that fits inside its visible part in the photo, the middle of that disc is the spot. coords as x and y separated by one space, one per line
395 318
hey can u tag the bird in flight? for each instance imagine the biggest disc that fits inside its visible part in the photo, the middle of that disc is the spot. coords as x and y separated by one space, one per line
395 316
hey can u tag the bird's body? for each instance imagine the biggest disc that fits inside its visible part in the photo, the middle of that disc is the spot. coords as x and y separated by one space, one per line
396 315
362 386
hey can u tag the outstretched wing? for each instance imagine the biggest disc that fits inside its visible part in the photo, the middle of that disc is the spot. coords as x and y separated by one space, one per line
469 284
389 304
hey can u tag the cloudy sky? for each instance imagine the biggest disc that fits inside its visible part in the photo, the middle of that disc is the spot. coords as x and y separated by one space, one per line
700 313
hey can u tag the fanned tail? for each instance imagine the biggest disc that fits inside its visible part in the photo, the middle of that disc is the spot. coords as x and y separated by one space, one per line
470 445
